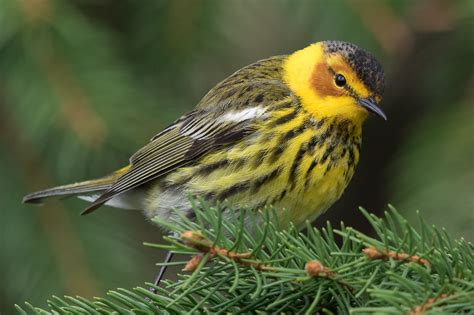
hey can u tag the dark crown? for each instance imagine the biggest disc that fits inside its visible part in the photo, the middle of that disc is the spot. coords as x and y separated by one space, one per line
367 68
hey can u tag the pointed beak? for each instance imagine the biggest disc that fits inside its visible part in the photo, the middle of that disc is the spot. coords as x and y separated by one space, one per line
371 105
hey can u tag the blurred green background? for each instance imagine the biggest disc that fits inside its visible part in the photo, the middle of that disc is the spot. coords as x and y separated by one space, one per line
85 83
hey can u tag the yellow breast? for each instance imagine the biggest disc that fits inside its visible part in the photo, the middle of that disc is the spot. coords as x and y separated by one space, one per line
292 161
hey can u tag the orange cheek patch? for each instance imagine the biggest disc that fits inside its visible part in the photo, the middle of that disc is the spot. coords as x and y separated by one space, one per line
322 81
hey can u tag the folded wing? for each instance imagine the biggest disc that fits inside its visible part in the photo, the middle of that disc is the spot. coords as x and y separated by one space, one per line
183 142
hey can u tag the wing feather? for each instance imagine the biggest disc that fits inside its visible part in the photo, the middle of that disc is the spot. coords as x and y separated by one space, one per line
205 129
172 149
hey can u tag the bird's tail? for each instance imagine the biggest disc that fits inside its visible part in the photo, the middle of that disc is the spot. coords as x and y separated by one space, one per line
81 188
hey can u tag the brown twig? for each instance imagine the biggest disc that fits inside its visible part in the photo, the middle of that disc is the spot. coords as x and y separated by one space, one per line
427 305
197 241
313 268
374 253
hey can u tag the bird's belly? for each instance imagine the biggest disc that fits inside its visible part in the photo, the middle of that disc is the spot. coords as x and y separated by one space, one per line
305 201
323 190
305 176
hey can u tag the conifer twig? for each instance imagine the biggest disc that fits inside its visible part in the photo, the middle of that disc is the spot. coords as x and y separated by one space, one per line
197 241
260 270
420 309
313 268
374 253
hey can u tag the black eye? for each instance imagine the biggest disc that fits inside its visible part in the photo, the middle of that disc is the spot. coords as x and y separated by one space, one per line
340 80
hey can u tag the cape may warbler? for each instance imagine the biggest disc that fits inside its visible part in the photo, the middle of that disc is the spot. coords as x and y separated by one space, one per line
284 131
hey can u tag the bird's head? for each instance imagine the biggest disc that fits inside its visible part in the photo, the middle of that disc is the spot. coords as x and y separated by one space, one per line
334 78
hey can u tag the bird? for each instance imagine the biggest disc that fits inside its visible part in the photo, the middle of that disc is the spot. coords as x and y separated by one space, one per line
285 131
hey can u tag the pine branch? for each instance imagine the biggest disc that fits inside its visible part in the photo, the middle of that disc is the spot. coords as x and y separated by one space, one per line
240 261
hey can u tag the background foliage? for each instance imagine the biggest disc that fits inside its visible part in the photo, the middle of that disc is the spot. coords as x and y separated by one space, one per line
84 83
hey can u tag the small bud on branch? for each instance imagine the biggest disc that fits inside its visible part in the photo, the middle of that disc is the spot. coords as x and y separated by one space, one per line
192 263
315 268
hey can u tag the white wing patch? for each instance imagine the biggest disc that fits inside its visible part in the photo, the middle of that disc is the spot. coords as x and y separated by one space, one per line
244 114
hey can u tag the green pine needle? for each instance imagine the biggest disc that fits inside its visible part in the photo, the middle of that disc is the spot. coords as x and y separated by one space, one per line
259 268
